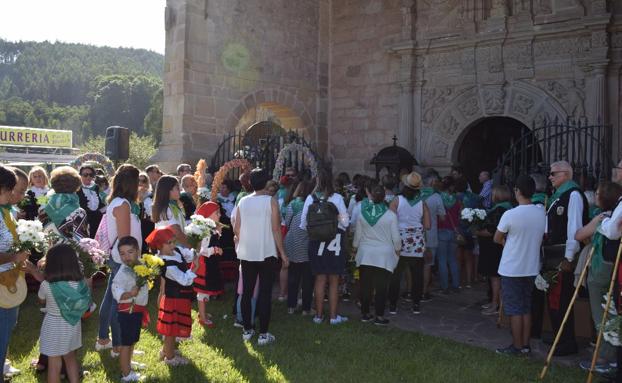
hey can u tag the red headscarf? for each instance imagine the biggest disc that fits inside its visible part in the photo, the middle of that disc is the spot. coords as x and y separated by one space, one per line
159 237
208 208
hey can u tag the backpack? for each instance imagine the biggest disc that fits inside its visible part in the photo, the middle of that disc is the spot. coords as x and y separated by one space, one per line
322 220
101 236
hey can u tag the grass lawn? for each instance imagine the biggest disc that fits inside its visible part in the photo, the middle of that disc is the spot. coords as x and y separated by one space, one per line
303 352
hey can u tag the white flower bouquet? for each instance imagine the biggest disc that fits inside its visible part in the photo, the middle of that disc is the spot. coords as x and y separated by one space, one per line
30 236
474 218
611 332
545 280
199 228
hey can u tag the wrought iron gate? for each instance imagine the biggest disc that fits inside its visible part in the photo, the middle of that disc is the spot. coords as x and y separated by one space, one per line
262 154
587 147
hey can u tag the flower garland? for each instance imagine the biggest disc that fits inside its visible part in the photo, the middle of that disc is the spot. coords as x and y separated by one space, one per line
294 147
200 173
221 174
94 157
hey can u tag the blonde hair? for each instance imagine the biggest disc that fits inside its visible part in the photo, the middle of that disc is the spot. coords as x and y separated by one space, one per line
37 169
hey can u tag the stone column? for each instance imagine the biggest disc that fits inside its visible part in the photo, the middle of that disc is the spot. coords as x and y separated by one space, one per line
405 131
598 94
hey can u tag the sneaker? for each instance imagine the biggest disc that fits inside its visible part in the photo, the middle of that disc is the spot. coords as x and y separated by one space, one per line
176 353
426 297
509 350
291 310
137 366
306 313
381 321
486 305
318 320
138 352
392 310
367 318
114 354
416 309
176 361
345 297
407 297
133 376
468 286
492 310
238 324
180 339
10 371
601 368
281 298
265 339
101 347
247 335
338 320
526 350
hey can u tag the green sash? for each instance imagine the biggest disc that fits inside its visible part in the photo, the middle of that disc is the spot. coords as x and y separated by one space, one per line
72 303
561 190
60 205
297 205
538 198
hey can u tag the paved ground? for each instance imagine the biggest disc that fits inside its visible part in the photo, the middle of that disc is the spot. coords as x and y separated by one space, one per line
457 317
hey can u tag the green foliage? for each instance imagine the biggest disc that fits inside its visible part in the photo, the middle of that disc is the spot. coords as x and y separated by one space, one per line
153 119
141 149
78 87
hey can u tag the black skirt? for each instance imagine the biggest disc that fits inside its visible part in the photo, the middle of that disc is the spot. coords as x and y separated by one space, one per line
489 257
329 257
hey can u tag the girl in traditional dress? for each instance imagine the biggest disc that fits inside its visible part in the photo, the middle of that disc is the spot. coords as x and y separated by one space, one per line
167 210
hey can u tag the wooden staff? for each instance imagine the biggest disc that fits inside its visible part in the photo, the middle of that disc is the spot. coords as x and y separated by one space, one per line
604 320
566 315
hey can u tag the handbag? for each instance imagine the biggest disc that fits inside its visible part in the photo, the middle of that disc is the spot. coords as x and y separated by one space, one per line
13 288
460 239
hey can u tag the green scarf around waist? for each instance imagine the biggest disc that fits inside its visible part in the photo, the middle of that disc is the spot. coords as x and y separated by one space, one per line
72 302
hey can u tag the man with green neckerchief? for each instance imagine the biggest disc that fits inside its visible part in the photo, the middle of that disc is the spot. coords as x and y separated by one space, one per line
567 212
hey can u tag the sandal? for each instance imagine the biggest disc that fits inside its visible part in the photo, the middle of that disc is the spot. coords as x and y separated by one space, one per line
208 323
38 367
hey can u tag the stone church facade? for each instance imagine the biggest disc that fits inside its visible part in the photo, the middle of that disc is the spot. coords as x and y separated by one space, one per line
350 74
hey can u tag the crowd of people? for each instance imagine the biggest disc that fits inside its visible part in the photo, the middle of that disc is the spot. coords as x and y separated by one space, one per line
382 243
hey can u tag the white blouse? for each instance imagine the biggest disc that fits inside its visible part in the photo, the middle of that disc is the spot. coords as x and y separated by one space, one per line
124 282
174 273
111 221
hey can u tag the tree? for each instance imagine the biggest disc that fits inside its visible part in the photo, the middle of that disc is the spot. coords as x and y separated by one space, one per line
153 119
141 149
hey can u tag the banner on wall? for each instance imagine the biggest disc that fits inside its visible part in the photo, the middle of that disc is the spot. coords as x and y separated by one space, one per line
31 137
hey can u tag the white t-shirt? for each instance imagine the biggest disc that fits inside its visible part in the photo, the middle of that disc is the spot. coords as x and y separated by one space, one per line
524 225
135 229
256 240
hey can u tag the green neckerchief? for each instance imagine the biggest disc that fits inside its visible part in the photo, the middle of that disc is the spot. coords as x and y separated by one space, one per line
60 205
505 205
240 195
426 192
418 198
561 190
90 187
372 212
538 198
135 208
449 200
281 193
594 211
597 245
297 205
72 303
470 199
176 210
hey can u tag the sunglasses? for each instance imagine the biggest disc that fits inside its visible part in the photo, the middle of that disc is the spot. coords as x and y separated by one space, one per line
554 174
91 175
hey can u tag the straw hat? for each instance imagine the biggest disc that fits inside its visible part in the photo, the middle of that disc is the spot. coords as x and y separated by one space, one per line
412 180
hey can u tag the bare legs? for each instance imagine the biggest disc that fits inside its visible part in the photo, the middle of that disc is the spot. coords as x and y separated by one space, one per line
333 294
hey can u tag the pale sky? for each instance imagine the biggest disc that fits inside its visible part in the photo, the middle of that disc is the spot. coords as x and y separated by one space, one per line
114 23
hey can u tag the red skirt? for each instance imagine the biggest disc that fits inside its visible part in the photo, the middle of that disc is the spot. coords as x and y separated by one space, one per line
174 317
209 279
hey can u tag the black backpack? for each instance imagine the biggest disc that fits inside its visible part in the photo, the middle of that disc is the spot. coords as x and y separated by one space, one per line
322 220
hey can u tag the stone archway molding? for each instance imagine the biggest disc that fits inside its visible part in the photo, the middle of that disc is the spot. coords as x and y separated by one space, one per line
275 95
519 100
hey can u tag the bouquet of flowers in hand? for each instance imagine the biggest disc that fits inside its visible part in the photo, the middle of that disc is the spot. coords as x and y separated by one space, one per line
147 269
30 236
199 228
474 218
545 280
90 254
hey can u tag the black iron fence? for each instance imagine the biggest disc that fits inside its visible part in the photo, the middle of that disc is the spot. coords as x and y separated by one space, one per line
587 147
263 152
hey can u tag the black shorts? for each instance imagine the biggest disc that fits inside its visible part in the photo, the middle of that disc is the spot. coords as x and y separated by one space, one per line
130 325
329 257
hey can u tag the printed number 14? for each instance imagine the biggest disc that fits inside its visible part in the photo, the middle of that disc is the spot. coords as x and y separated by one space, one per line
333 246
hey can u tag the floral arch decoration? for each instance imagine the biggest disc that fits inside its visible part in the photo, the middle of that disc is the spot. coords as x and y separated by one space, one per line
309 159
102 160
221 174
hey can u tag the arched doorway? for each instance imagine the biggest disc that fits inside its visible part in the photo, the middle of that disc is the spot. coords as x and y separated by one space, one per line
484 143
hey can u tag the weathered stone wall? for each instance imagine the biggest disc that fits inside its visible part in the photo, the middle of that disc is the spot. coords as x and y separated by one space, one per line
363 80
226 57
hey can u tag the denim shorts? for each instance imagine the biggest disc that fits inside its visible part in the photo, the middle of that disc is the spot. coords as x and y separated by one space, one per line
516 295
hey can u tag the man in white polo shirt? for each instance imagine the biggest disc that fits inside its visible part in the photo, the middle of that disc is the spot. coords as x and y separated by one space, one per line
520 231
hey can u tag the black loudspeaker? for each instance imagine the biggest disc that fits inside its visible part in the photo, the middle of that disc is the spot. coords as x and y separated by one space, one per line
117 143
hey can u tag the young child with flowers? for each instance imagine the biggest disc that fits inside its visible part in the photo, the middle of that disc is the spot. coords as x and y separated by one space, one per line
175 302
131 306
208 282
66 297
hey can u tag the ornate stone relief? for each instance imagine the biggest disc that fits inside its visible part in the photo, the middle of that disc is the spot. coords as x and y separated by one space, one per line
469 106
439 148
616 40
491 58
435 61
599 39
434 99
571 94
519 54
494 99
542 7
571 46
448 126
522 104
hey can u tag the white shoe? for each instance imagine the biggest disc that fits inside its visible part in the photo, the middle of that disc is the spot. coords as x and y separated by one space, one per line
338 320
133 376
10 371
317 319
176 361
137 365
179 339
177 353
114 354
247 335
138 352
265 339
102 347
